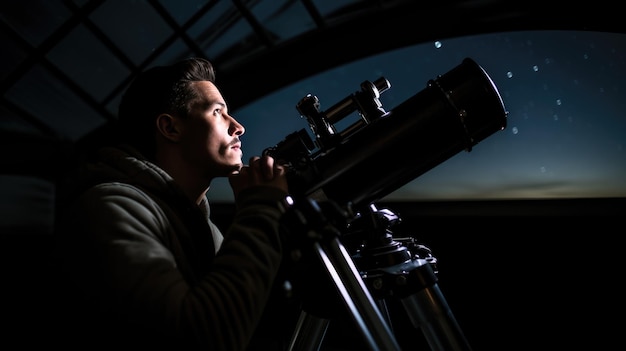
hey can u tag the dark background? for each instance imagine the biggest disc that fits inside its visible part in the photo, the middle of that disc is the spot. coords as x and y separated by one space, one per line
526 227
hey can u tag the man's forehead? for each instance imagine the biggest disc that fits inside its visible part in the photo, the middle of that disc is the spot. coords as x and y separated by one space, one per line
209 93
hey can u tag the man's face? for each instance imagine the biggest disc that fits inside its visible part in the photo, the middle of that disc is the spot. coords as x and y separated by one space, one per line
211 141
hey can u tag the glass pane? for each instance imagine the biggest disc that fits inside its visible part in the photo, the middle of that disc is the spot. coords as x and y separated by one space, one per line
283 20
89 63
11 56
221 29
13 123
329 8
54 104
183 10
34 20
134 26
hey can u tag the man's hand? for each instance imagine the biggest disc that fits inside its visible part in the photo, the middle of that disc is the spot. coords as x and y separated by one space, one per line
260 171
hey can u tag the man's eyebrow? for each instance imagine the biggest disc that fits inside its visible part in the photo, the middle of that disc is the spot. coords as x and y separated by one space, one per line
211 104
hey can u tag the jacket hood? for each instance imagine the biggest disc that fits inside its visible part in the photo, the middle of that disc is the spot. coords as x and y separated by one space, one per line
122 164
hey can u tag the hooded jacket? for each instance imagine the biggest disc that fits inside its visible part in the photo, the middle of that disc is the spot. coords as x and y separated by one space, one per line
148 269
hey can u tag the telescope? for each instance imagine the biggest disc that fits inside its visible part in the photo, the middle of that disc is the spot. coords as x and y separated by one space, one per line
339 170
383 151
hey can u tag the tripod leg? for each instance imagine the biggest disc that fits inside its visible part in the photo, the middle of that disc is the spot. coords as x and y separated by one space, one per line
382 306
428 310
355 294
309 333
325 245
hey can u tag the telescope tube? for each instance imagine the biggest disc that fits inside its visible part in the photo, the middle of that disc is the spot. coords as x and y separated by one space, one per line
453 113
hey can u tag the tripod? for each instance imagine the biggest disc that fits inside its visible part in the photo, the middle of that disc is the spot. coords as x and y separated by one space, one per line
379 267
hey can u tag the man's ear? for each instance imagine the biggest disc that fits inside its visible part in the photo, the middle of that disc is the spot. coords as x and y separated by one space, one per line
168 126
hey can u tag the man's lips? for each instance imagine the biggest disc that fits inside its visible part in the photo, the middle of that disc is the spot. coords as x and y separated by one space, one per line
235 144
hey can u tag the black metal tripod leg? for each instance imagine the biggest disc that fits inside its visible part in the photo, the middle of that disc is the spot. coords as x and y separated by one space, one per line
309 333
429 310
355 294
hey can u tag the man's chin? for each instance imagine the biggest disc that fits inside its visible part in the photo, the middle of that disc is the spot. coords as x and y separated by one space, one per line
235 168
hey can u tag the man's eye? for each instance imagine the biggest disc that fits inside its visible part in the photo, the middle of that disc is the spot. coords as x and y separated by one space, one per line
217 112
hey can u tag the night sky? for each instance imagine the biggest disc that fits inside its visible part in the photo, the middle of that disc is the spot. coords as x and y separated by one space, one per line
563 91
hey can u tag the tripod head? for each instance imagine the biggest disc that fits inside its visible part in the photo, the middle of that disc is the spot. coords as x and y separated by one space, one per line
372 243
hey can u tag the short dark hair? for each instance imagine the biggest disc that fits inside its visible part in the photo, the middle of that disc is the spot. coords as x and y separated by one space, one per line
160 89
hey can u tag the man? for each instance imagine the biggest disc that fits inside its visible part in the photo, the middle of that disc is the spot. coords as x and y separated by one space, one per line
147 266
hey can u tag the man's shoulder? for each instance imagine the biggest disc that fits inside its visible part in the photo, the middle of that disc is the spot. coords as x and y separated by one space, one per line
115 188
118 193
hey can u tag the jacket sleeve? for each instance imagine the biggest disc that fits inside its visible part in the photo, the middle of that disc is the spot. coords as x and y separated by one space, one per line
119 256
